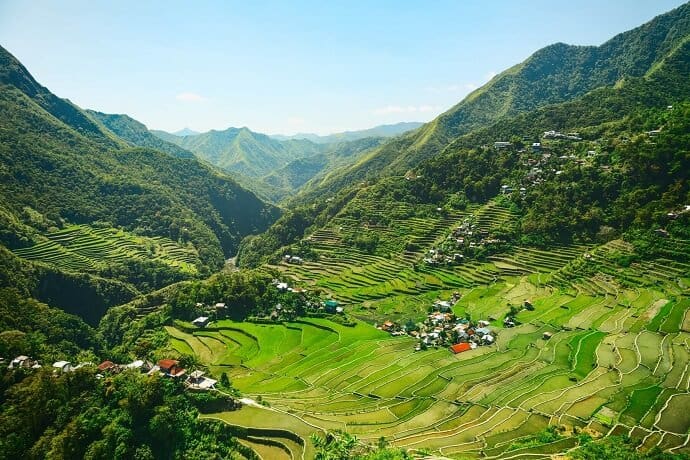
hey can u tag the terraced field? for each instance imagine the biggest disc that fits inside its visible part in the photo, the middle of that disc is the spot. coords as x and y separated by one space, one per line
599 372
616 362
83 248
371 284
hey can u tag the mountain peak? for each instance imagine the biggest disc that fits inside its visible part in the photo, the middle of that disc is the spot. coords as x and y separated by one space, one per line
186 132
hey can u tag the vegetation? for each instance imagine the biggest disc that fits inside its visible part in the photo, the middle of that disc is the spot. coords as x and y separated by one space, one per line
570 244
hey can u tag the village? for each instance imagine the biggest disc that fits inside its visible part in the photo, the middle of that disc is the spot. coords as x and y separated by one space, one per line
170 368
442 328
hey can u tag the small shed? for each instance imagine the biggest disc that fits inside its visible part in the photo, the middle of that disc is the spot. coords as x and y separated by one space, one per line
20 361
197 381
63 366
201 321
171 367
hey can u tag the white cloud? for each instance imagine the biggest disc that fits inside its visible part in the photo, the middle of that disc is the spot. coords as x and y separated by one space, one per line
395 109
190 97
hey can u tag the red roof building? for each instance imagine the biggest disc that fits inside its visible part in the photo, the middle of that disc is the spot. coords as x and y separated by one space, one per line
460 347
171 367
106 366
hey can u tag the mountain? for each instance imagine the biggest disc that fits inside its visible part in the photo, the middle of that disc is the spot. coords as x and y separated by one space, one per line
239 150
91 221
137 134
186 132
276 169
377 131
465 169
556 73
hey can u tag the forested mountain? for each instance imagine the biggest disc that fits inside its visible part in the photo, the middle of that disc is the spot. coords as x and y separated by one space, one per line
377 131
137 134
277 169
74 195
553 74
243 151
467 168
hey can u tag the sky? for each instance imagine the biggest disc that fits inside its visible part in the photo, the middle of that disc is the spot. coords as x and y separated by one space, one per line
292 66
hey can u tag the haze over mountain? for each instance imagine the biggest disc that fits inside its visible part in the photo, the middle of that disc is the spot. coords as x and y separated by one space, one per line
186 132
377 131
282 165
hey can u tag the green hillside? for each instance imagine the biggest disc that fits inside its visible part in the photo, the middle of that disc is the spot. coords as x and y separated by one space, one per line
137 134
553 74
243 151
59 168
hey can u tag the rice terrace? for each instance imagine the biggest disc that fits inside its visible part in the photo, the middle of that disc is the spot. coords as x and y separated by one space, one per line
594 356
345 230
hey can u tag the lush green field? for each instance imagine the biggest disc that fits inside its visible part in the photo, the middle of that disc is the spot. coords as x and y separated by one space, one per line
616 360
83 248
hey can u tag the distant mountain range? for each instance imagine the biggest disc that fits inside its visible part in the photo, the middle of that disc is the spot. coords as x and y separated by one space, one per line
276 167
377 131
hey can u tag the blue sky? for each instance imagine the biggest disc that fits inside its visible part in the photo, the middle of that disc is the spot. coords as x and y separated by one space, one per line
286 67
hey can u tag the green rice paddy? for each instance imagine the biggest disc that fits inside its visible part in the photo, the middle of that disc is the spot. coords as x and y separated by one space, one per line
617 359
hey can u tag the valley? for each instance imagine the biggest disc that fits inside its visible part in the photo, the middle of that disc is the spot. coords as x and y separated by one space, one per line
508 280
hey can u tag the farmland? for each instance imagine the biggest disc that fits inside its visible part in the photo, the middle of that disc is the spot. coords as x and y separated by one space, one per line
84 248
616 360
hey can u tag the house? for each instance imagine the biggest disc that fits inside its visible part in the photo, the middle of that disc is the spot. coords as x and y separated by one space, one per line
506 189
481 331
201 321
536 146
282 286
20 361
502 145
197 381
143 366
171 368
661 232
443 306
387 326
331 305
220 306
460 347
547 335
63 366
107 366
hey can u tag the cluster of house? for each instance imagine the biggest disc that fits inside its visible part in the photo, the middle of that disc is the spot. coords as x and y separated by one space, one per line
165 367
293 259
442 328
26 362
556 135
464 240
